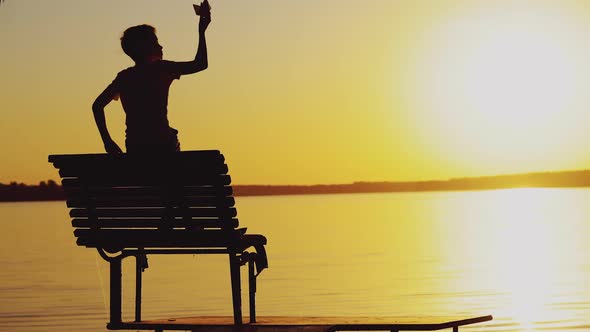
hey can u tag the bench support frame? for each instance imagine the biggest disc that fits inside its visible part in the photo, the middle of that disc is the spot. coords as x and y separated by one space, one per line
116 289
236 287
236 260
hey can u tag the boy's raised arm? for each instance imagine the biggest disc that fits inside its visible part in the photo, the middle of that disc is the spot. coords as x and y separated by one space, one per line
201 56
98 110
200 62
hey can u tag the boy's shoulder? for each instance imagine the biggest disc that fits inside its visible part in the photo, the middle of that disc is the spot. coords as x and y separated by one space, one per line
127 70
160 64
123 73
160 67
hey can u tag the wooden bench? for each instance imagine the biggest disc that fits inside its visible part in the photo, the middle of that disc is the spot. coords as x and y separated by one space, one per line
178 203
181 203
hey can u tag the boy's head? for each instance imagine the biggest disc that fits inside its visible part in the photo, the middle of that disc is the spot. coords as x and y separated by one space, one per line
141 43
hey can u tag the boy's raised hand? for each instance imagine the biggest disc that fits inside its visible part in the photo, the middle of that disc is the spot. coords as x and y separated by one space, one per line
205 14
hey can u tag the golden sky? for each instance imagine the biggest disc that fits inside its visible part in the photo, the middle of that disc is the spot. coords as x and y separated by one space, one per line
323 91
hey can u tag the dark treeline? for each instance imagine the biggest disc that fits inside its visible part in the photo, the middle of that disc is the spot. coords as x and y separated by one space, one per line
44 191
570 179
52 191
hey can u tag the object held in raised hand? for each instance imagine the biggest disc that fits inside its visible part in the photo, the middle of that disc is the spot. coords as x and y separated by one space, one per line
204 9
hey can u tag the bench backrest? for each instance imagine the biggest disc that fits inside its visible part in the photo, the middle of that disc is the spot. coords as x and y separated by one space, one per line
178 191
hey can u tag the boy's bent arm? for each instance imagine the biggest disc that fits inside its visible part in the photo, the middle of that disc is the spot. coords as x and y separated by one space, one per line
98 110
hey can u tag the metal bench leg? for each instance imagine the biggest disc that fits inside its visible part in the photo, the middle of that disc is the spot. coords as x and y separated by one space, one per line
138 284
115 291
252 289
234 266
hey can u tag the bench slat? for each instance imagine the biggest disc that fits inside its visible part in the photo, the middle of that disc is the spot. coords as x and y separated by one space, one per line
154 212
222 202
145 238
110 170
184 170
189 191
124 180
155 223
80 160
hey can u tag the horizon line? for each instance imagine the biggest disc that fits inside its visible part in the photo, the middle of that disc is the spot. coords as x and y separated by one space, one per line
369 182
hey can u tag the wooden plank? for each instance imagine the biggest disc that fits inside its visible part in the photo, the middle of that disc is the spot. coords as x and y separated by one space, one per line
125 180
138 191
173 238
184 156
155 223
145 238
155 212
308 324
126 168
151 201
162 164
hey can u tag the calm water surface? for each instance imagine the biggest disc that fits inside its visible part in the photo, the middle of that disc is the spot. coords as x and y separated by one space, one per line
521 255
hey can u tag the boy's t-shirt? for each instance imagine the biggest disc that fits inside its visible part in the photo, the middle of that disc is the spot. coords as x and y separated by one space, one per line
143 90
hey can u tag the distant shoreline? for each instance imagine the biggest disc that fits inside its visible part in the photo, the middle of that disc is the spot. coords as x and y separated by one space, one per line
51 191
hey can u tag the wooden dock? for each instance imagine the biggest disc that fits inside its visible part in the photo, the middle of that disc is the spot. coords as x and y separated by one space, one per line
306 324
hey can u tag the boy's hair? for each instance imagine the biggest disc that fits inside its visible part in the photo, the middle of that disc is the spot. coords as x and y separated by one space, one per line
134 40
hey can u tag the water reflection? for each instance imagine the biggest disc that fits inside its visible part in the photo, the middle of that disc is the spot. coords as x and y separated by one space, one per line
521 255
528 244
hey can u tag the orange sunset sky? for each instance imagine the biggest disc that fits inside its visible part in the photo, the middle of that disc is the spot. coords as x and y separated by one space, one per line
323 91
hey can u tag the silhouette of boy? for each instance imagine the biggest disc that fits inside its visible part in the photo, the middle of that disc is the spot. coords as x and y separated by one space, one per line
143 90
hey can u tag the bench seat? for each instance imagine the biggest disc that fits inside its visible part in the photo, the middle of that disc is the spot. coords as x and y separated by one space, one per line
119 239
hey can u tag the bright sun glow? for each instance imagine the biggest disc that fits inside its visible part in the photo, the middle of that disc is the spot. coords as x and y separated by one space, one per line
503 84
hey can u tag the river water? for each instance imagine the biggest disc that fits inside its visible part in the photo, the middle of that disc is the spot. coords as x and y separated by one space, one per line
521 255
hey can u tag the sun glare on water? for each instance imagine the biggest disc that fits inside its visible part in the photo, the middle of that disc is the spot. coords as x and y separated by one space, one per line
513 235
504 82
526 255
